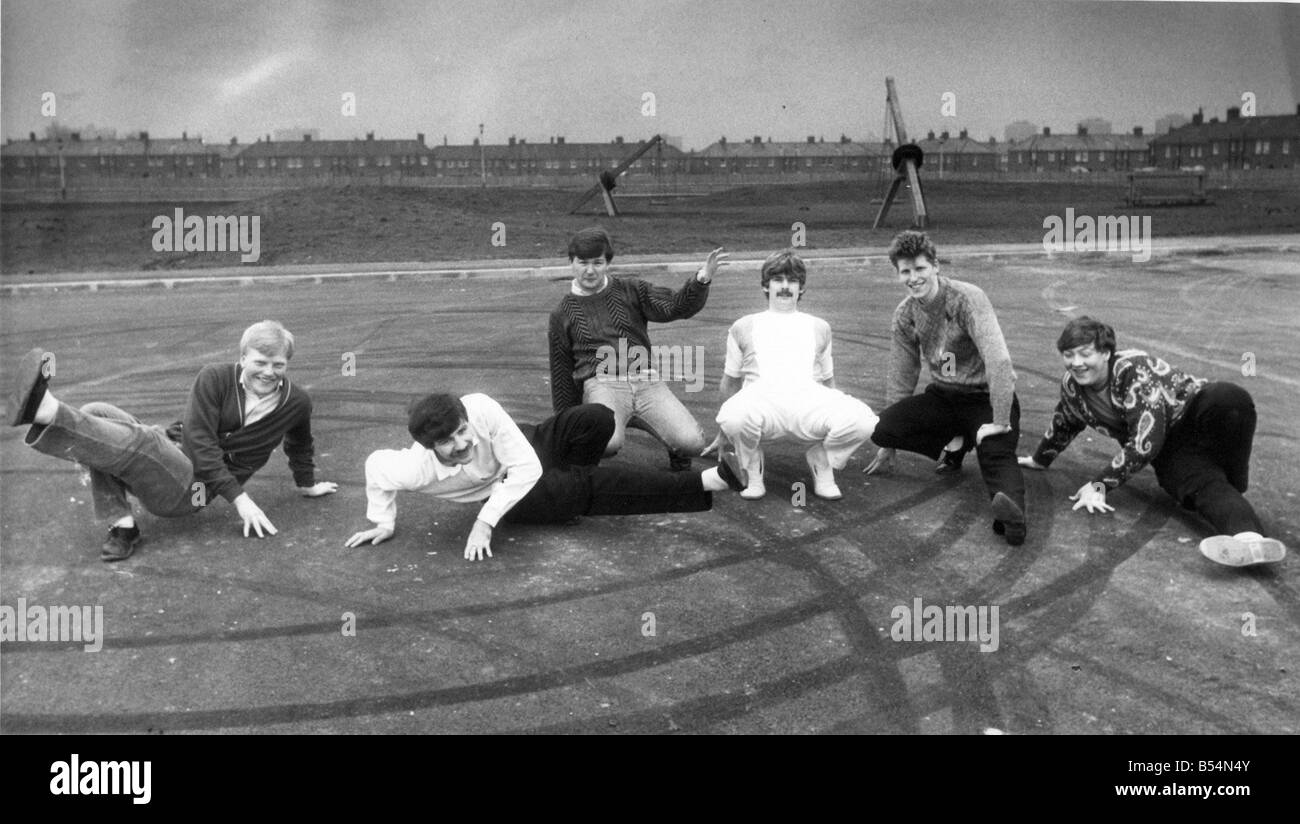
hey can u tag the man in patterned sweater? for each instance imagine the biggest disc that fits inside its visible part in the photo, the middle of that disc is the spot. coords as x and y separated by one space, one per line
603 315
236 416
1196 435
970 400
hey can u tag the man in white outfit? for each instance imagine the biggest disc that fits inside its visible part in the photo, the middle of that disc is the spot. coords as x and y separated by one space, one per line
778 385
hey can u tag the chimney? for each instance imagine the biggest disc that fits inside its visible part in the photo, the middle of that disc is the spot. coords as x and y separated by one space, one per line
1047 131
1234 112
1214 120
144 136
475 143
1199 117
758 140
845 139
962 134
618 140
184 137
1137 131
306 138
31 136
812 138
930 136
523 140
419 138
559 141
76 137
234 141
370 135
943 136
511 141
1083 130
722 140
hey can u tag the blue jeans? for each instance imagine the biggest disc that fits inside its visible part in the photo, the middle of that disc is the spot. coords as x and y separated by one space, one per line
123 456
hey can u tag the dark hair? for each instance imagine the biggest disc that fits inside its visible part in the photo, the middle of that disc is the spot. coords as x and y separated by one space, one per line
910 245
434 418
1085 330
591 243
784 264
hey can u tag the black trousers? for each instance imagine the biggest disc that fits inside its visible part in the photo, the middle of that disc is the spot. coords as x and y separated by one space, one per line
570 446
1205 461
925 423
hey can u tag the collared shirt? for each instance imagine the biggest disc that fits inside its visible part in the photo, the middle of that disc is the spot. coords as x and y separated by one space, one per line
258 407
502 469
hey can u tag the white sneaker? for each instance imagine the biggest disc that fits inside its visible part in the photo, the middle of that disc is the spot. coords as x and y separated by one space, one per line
1243 549
755 490
823 476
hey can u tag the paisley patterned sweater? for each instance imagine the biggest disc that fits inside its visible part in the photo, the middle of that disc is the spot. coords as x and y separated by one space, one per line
1151 396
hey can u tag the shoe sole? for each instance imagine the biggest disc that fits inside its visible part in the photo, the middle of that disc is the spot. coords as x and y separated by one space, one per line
1237 552
829 497
111 557
1005 510
28 375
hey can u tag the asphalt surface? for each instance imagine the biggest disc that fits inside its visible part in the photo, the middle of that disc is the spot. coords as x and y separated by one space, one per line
773 616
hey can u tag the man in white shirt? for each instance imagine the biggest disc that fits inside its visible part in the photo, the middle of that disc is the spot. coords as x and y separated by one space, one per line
779 384
468 449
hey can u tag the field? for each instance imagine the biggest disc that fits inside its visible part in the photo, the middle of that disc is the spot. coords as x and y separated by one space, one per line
347 225
767 617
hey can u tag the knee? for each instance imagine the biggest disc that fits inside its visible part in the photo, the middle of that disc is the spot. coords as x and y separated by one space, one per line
598 418
615 442
101 410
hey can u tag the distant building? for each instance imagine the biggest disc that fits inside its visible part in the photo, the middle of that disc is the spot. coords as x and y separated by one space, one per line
958 154
1261 142
1170 122
369 158
1020 130
1080 152
759 157
555 158
36 162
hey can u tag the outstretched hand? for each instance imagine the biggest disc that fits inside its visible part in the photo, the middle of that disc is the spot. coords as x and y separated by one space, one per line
883 463
374 536
719 443
319 489
715 261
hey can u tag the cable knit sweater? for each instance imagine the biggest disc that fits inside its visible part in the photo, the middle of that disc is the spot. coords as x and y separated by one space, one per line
957 334
581 324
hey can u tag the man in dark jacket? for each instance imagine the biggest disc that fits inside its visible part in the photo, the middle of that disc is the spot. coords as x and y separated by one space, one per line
236 416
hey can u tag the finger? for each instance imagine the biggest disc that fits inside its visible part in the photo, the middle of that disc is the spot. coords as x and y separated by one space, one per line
270 527
354 540
489 551
246 525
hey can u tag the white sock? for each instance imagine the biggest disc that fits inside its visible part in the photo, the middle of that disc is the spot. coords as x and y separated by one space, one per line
712 481
126 522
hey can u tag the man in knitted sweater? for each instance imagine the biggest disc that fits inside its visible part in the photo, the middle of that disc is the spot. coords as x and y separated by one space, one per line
604 315
236 416
970 401
1195 434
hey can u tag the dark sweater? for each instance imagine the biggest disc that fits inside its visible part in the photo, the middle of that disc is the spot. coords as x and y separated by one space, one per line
581 324
224 451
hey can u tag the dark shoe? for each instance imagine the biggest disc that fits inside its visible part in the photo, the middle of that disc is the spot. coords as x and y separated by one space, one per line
730 470
28 388
120 544
678 462
1010 518
950 462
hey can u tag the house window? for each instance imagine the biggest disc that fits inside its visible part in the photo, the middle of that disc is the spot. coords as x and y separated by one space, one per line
1214 148
424 160
261 163
1286 147
1101 157
1051 157
315 162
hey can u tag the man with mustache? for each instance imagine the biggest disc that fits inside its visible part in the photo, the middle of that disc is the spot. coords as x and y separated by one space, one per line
779 384
970 401
468 449
1197 436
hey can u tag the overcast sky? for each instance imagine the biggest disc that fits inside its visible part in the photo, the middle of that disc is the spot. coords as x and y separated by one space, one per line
782 69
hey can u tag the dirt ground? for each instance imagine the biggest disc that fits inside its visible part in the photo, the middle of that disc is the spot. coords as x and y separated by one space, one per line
357 224
773 616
